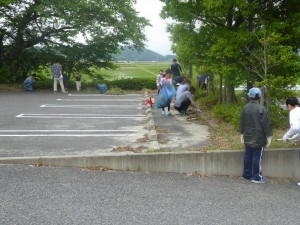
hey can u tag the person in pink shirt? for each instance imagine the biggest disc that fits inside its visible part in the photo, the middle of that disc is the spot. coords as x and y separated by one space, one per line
166 81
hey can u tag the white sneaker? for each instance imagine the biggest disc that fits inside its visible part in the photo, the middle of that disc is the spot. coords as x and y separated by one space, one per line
169 113
298 183
163 112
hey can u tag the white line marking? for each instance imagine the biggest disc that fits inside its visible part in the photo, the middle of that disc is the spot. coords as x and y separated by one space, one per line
65 135
99 95
10 131
99 100
86 106
79 116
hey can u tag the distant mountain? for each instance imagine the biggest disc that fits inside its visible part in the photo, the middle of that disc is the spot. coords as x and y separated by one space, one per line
145 55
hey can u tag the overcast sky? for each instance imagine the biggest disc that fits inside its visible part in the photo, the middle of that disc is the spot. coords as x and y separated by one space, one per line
158 38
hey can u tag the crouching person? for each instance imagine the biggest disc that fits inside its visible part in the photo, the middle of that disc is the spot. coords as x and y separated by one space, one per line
28 83
184 100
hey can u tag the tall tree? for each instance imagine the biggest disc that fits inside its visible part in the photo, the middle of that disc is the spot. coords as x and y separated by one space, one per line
31 28
227 37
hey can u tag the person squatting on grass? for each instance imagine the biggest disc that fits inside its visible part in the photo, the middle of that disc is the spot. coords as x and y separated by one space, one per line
184 100
28 83
256 133
293 133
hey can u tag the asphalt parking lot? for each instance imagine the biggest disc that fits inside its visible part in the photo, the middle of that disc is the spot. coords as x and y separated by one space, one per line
48 124
44 195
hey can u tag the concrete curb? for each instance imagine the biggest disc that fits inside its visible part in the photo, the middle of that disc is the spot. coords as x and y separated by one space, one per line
281 163
152 134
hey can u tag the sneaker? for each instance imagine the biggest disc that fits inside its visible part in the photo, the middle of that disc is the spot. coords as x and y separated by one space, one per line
244 178
184 112
298 183
262 181
163 112
169 113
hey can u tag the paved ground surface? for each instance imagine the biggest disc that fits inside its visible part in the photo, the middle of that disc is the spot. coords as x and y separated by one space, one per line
177 133
35 124
43 195
47 124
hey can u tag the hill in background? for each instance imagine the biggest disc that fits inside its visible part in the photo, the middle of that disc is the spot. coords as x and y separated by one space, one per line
146 55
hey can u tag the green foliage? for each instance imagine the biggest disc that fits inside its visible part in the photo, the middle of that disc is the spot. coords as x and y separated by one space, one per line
35 33
279 117
131 84
228 112
207 102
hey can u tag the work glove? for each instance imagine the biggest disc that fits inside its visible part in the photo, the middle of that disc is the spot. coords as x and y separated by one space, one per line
198 110
285 138
269 140
242 138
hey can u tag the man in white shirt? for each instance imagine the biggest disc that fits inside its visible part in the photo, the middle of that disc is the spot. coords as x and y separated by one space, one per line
293 133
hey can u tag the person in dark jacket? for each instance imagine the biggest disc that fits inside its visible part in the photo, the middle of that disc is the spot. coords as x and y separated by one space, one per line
256 134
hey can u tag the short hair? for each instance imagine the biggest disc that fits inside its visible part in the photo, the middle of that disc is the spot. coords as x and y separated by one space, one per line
192 89
293 101
174 60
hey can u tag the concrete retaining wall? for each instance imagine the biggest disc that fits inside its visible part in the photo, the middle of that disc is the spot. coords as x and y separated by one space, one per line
276 163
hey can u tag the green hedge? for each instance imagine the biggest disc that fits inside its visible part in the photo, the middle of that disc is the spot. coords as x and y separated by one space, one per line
125 84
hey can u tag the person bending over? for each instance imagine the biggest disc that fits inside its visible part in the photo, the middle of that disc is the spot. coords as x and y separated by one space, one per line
184 100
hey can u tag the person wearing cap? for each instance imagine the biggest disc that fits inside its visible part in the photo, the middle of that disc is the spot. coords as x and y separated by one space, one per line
256 134
28 83
293 133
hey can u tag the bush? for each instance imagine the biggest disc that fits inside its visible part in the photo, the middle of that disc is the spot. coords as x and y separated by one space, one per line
279 117
229 113
207 102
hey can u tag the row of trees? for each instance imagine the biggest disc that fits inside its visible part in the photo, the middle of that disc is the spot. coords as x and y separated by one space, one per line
241 41
82 34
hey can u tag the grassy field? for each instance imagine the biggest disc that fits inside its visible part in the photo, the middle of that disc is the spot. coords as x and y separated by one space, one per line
135 70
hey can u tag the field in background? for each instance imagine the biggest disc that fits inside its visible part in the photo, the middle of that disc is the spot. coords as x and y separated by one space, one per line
135 70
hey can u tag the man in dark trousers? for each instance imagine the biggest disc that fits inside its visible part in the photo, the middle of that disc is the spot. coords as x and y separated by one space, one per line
256 134
176 70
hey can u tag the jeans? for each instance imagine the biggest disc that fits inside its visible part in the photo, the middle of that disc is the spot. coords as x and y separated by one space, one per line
252 163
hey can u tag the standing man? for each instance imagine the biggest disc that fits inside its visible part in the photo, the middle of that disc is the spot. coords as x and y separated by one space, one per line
56 71
293 133
176 70
78 81
256 133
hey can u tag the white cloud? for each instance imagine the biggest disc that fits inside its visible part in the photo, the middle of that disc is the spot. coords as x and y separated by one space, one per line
158 38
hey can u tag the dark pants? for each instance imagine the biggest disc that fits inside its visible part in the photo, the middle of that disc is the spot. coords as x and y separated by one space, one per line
184 106
252 163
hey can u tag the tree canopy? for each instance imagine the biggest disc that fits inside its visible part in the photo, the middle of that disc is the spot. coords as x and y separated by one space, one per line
242 41
80 33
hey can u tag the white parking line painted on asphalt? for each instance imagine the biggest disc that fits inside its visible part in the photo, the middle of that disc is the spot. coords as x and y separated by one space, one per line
99 95
80 116
88 106
99 100
62 131
66 135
